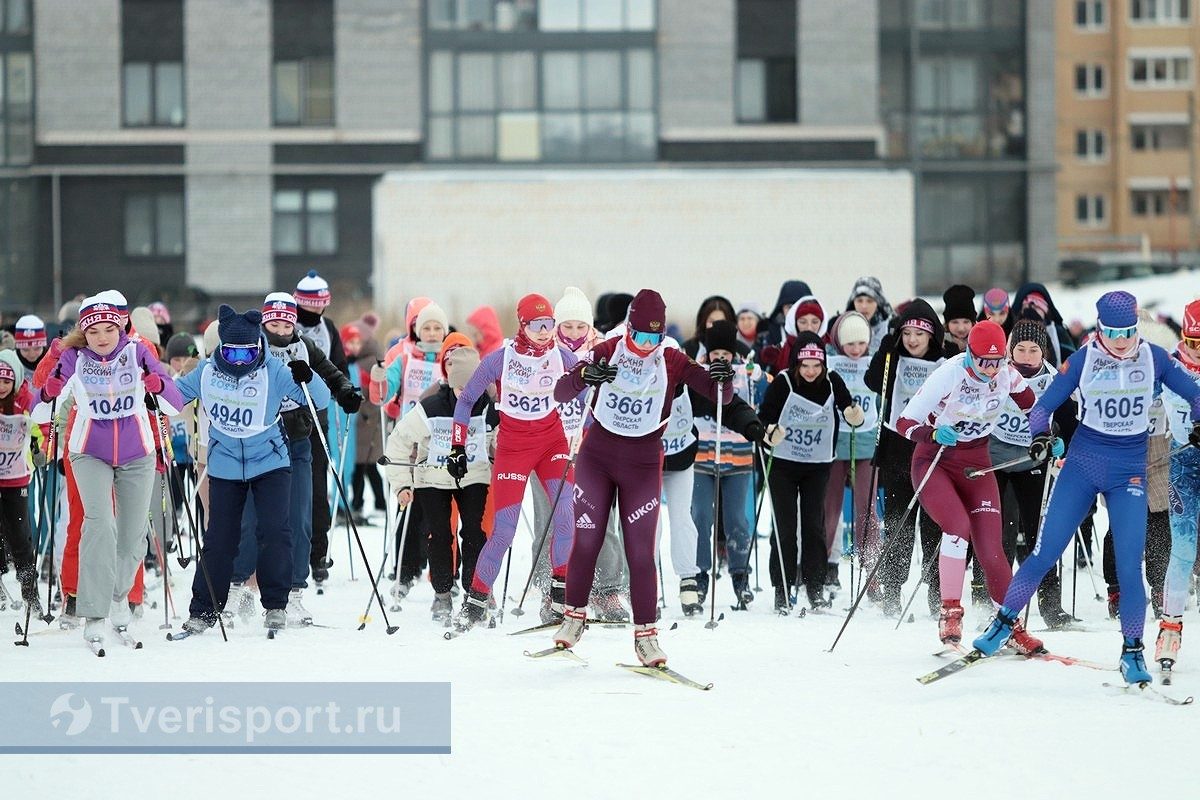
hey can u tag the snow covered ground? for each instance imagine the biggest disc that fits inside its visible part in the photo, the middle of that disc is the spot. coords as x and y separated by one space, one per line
785 716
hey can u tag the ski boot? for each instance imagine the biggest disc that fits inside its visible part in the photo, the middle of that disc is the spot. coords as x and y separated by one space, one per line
1170 637
442 608
197 625
119 614
1114 602
1057 618
571 629
138 610
320 569
93 634
400 590
1133 663
782 606
817 599
702 587
274 620
689 598
240 601
608 607
558 598
950 622
297 615
832 582
69 620
997 633
742 590
645 644
28 579
473 611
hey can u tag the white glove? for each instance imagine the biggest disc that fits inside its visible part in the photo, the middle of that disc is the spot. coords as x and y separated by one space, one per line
854 416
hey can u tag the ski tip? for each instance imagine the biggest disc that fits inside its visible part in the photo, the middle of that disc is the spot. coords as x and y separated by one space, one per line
21 643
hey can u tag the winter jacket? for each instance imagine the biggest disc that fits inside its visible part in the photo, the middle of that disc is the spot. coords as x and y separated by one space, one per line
789 293
410 440
298 422
14 444
242 459
491 337
131 434
324 334
1062 344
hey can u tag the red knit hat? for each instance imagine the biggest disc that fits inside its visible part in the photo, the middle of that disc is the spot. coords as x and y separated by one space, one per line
648 312
534 306
987 340
810 307
1191 320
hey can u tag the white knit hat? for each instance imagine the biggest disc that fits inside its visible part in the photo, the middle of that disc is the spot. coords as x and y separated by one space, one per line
573 307
853 328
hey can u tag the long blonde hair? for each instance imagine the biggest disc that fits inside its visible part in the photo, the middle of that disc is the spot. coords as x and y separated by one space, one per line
75 338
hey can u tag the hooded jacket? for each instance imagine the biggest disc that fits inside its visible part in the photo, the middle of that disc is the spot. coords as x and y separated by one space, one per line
789 293
1062 344
491 337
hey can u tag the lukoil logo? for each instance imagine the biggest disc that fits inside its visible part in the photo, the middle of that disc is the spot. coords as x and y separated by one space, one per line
80 718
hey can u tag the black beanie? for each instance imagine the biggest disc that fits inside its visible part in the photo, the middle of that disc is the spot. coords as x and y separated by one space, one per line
181 345
722 335
1028 330
960 303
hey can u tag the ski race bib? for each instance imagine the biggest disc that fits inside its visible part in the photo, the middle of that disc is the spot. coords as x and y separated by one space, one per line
237 408
110 389
418 376
853 372
1116 393
808 429
632 404
911 374
571 414
14 444
441 431
679 435
527 383
1012 427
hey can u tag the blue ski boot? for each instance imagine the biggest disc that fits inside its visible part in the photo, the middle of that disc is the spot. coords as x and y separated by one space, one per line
997 632
1133 663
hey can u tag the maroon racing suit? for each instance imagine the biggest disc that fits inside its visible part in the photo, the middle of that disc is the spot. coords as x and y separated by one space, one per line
622 454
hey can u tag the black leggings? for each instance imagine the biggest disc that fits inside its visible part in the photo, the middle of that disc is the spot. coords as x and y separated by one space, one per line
362 474
790 480
14 523
435 522
1158 555
897 485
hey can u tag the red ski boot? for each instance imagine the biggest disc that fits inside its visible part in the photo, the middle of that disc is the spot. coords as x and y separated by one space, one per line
1024 642
950 623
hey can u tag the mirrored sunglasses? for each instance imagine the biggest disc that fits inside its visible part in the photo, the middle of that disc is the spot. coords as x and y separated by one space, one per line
989 363
643 339
1118 333
541 324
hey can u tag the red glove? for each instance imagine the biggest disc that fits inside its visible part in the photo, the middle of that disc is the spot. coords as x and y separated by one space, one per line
53 388
153 382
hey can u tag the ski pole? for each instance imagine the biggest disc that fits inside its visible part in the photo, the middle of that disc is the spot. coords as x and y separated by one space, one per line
853 514
887 548
712 595
363 619
341 488
574 452
52 494
504 592
979 472
384 461
787 598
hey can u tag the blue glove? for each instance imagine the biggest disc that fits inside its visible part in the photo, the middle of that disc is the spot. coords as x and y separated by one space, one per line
945 435
1058 448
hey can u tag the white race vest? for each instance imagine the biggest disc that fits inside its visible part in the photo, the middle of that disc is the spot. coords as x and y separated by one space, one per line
1012 427
808 428
679 435
527 383
236 408
14 444
319 334
1179 411
632 404
109 389
571 414
441 429
417 377
296 351
853 372
1116 393
911 374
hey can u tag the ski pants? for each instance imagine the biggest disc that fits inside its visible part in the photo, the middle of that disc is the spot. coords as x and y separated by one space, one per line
14 525
113 540
435 518
735 488
678 488
1119 473
791 482
517 458
69 543
631 471
301 522
968 511
1185 510
364 474
866 522
322 518
228 498
1158 555
611 575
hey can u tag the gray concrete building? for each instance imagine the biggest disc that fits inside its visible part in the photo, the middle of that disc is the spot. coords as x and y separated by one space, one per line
190 150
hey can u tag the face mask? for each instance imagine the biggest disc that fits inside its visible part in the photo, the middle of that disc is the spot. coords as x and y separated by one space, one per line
572 344
1027 370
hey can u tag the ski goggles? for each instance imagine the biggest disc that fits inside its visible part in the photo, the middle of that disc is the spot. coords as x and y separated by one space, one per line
1192 342
989 363
645 339
240 354
1118 333
541 324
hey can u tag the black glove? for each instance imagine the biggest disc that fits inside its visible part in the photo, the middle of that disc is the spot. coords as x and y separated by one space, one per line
456 462
350 399
1040 447
301 371
720 371
1194 436
599 373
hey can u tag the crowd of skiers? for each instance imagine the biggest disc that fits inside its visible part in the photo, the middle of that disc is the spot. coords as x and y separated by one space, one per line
986 432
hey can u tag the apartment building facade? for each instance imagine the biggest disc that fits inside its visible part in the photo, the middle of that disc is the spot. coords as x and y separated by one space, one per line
201 149
1126 139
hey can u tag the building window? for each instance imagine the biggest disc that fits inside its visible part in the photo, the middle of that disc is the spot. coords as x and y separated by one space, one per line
154 225
14 17
1090 15
1091 145
1159 202
1160 12
544 15
305 222
971 228
16 108
953 14
1090 80
152 93
1167 70
1167 136
1090 210
557 105
766 67
302 86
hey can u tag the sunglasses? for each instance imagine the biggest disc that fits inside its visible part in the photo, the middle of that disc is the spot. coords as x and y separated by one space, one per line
644 340
541 324
239 354
1118 333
